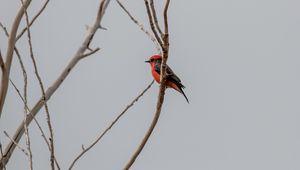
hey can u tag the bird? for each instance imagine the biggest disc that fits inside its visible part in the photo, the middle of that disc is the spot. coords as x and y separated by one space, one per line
172 80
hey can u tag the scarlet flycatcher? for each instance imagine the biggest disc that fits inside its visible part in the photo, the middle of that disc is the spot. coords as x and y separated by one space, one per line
172 80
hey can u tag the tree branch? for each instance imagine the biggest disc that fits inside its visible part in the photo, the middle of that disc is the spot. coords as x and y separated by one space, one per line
89 53
166 17
22 149
110 126
35 120
150 17
155 17
50 91
2 63
33 20
26 108
141 27
1 153
162 89
26 131
51 138
9 54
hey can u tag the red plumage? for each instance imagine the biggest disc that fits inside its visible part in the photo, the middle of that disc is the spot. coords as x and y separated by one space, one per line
172 81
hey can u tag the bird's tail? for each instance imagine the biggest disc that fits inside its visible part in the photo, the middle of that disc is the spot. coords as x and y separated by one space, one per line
182 92
178 87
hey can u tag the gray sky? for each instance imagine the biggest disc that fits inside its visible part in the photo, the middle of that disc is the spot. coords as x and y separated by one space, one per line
239 61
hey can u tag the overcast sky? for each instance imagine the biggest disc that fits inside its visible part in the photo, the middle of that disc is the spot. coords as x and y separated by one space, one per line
238 59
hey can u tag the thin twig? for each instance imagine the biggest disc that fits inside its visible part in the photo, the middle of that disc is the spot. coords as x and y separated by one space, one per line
28 110
25 79
36 121
25 93
27 137
84 150
162 88
101 11
141 26
9 54
2 62
89 53
150 17
15 49
56 84
17 52
51 138
17 90
4 29
1 154
28 144
32 21
155 17
19 94
22 149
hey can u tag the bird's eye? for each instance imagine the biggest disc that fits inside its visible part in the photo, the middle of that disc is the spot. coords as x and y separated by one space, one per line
151 60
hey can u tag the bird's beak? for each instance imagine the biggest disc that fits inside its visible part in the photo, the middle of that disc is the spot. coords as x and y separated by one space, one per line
148 61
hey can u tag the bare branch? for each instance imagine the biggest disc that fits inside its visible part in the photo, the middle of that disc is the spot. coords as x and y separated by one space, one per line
35 120
89 53
141 27
24 77
4 29
32 21
166 17
28 110
27 137
16 143
25 92
155 17
1 151
84 150
9 54
97 25
19 94
162 88
166 44
150 17
51 138
1 154
2 62
50 91
28 144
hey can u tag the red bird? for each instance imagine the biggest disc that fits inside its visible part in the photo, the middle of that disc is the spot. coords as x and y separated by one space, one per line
173 81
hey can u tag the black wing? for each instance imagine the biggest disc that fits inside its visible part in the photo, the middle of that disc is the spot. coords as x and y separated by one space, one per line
171 76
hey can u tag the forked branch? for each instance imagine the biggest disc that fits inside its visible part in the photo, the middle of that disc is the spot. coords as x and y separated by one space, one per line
50 91
165 47
9 53
150 17
158 47
155 17
33 20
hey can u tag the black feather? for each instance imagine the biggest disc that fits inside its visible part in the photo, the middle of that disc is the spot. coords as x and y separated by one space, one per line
171 76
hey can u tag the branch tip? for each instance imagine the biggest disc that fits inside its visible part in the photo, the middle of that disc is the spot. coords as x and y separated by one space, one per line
102 28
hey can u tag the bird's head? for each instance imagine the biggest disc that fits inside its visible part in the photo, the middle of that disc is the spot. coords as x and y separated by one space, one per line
154 59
